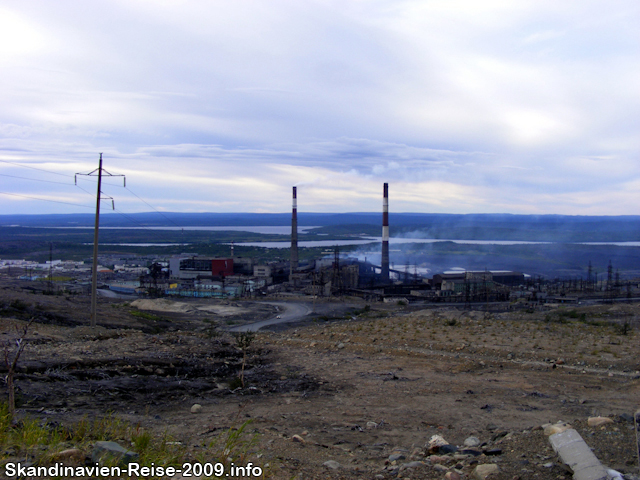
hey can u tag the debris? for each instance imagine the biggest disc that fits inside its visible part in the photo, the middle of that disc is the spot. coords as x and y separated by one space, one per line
614 475
559 427
575 453
597 421
74 455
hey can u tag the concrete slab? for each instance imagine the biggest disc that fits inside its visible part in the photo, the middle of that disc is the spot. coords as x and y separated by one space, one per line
575 453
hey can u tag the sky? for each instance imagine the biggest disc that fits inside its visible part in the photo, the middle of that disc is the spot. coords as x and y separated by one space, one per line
499 106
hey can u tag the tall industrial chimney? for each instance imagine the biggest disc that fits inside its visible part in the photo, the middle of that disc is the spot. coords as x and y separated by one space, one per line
384 276
294 233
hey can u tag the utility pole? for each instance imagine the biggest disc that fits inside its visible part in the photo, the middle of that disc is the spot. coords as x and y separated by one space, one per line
94 270
50 267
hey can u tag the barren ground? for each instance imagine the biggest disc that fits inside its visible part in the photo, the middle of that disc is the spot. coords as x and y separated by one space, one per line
378 382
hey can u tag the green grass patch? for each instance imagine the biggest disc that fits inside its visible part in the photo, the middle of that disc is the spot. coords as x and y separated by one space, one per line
40 441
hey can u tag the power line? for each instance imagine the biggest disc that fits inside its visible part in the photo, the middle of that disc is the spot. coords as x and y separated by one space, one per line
132 220
44 199
78 186
33 179
157 211
34 168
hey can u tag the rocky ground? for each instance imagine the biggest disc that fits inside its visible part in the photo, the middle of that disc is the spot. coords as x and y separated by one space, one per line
357 393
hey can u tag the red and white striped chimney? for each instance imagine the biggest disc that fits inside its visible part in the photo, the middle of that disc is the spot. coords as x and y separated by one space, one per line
294 233
384 274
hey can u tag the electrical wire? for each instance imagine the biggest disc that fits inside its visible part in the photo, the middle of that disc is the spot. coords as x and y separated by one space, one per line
44 199
151 206
34 179
34 168
133 220
78 186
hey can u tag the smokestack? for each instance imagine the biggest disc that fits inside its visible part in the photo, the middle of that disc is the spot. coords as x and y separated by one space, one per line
294 233
384 276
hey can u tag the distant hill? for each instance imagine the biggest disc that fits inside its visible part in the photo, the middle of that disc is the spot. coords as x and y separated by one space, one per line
552 228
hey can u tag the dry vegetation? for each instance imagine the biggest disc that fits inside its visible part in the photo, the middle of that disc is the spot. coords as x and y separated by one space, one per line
351 391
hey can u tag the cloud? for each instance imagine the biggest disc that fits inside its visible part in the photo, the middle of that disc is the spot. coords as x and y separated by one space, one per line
463 106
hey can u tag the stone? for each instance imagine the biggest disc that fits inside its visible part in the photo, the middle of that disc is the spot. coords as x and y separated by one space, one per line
471 451
340 346
416 464
559 427
472 442
71 455
436 442
438 459
452 476
371 425
297 438
331 465
109 451
394 457
196 408
447 449
440 468
597 421
493 451
481 472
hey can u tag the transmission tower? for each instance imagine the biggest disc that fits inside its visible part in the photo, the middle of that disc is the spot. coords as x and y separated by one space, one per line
94 276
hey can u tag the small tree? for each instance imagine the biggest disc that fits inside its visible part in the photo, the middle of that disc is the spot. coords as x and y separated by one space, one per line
11 357
243 342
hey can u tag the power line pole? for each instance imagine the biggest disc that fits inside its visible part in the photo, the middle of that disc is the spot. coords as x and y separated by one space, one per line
94 270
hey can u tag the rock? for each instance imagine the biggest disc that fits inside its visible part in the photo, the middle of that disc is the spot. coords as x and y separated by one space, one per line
394 457
435 443
416 464
331 465
371 425
472 442
597 421
559 427
71 455
481 472
447 449
298 438
440 468
196 408
340 346
499 435
109 451
471 451
493 451
452 476
439 459
625 417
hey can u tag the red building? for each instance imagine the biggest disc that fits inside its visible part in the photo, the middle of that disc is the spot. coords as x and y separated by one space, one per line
222 267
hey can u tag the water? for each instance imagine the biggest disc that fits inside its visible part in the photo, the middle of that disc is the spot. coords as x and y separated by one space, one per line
266 230
400 241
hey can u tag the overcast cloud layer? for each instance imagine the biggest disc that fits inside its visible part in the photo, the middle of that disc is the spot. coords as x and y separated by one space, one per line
528 106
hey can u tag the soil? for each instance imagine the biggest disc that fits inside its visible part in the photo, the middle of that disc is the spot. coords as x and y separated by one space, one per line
366 386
